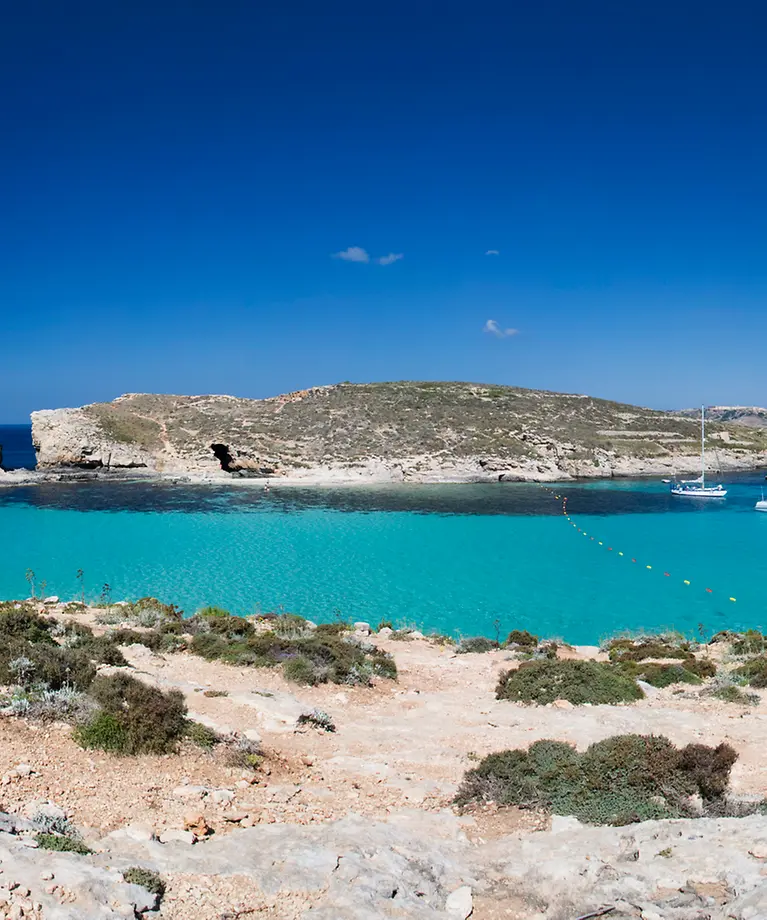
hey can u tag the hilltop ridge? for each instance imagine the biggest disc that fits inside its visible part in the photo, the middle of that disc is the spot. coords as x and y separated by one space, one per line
406 430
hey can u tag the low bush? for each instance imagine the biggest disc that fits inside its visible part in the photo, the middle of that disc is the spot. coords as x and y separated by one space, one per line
21 622
149 612
754 671
291 626
476 644
134 718
62 844
244 754
316 657
522 638
201 735
319 719
732 694
576 681
644 647
146 878
300 670
618 781
166 638
751 642
659 675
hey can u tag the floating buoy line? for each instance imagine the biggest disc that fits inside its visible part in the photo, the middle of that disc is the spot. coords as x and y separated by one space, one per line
592 538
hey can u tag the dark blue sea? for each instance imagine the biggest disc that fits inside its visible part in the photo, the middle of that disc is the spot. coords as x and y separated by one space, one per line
17 450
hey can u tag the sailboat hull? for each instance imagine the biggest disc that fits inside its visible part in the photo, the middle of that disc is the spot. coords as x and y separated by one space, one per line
699 493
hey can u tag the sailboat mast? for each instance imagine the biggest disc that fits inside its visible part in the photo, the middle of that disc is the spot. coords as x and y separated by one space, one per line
703 446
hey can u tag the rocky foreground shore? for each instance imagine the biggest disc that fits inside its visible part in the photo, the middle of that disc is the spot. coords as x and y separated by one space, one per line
348 808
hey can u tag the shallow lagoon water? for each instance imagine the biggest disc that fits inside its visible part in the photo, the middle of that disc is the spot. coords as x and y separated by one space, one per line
461 559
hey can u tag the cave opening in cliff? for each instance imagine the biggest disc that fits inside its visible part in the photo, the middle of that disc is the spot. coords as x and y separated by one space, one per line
221 452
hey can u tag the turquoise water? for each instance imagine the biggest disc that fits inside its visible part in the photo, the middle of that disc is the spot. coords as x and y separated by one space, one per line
451 558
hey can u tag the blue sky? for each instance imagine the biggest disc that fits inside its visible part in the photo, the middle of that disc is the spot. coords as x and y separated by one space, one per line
176 179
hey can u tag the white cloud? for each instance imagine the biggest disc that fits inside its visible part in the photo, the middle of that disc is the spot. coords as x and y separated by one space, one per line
392 257
493 328
353 254
492 252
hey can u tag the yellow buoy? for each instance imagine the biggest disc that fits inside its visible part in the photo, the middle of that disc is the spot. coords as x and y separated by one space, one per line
686 582
733 599
620 554
648 566
600 543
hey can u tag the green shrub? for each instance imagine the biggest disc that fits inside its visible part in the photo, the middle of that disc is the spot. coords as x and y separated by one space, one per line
290 625
754 671
201 735
135 718
62 844
576 681
621 780
299 670
330 657
702 667
648 647
25 624
148 611
659 675
751 642
148 879
331 630
50 665
522 638
221 623
244 754
215 693
732 694
384 624
208 613
319 719
476 644
103 732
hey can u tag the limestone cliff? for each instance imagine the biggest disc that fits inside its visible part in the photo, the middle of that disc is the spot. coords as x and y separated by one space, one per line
387 431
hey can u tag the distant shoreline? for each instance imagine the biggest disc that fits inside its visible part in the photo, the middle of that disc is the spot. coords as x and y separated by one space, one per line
19 477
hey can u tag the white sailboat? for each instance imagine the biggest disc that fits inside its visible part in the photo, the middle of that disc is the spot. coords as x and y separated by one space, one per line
697 488
761 505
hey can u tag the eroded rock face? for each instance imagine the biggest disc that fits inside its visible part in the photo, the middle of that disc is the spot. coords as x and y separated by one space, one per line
70 438
386 432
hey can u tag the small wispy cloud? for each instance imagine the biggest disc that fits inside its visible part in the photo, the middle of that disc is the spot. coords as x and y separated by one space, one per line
492 327
358 254
392 257
492 252
353 254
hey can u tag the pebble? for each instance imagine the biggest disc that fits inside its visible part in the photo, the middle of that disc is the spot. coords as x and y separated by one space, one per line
190 792
175 836
459 903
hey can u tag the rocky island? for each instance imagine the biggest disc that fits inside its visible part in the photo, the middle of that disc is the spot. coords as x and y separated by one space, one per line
387 432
